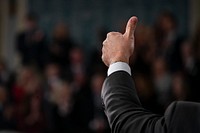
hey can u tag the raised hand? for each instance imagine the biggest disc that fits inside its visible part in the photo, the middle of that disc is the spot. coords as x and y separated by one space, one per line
119 47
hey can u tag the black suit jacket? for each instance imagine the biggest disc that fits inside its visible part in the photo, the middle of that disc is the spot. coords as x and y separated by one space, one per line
126 114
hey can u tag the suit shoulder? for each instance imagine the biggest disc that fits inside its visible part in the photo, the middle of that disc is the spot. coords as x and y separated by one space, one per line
183 116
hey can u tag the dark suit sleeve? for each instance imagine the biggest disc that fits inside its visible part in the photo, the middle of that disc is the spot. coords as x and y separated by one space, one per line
124 110
126 114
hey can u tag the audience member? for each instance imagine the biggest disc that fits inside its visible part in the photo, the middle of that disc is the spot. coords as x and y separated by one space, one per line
65 96
162 81
144 50
31 44
168 40
179 87
59 49
98 123
191 68
147 93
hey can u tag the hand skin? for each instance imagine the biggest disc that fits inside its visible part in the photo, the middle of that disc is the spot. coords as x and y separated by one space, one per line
119 47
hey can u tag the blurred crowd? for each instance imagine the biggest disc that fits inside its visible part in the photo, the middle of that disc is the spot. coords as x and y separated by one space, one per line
58 85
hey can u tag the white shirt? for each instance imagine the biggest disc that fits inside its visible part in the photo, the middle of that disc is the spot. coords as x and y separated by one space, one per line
119 66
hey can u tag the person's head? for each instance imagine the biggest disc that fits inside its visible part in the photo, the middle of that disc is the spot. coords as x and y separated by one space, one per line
60 92
179 86
140 35
159 66
31 21
80 78
97 82
60 31
63 93
166 22
186 49
25 74
29 79
52 70
76 56
144 86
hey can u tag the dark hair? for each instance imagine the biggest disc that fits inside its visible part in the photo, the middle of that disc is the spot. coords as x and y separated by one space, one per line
171 16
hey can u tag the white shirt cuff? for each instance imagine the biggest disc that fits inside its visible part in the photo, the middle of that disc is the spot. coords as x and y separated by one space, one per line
118 66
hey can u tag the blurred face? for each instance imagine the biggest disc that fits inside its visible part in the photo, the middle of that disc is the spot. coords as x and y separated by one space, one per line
76 56
166 24
65 94
141 35
60 31
97 83
52 70
80 78
61 93
30 24
186 50
143 86
177 85
25 75
159 67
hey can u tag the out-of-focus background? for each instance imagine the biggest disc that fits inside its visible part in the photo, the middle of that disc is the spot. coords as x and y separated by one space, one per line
51 71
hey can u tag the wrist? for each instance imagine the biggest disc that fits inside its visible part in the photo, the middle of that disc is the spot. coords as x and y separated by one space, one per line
119 60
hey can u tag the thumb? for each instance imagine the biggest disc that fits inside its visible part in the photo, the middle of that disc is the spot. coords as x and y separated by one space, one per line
130 27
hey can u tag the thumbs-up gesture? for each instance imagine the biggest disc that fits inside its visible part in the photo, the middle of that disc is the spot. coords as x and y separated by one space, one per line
119 47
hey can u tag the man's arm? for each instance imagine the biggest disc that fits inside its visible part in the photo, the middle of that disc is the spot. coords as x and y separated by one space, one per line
123 108
126 114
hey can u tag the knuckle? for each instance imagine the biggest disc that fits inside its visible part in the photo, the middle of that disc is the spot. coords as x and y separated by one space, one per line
109 34
116 33
104 42
102 57
113 34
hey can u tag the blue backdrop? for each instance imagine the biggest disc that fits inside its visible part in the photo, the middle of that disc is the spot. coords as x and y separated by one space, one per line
86 17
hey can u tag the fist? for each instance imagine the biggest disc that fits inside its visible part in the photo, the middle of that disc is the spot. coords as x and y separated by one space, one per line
119 47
